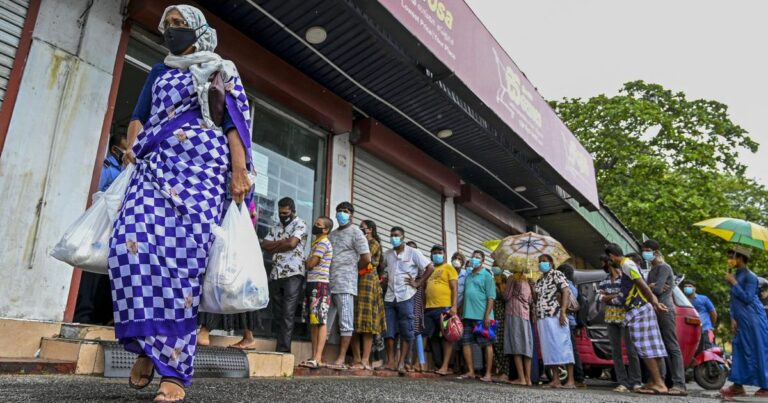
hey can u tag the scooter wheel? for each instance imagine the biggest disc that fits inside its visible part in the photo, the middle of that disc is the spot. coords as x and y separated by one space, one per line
710 375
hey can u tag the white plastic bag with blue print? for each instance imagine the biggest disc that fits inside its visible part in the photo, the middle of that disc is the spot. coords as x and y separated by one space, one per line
235 279
85 243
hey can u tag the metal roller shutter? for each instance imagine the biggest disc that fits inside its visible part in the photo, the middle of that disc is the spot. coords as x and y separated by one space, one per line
12 16
473 230
389 197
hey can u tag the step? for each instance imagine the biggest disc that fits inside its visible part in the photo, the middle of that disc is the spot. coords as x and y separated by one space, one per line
267 364
87 332
21 338
36 366
87 354
89 358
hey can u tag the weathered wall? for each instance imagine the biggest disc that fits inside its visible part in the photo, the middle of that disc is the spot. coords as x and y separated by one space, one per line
49 154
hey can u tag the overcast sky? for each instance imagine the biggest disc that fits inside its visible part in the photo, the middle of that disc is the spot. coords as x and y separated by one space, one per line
705 48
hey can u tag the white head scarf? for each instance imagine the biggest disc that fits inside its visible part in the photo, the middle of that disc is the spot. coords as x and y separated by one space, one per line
203 62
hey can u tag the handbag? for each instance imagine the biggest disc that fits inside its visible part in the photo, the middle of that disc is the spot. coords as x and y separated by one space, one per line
216 97
451 327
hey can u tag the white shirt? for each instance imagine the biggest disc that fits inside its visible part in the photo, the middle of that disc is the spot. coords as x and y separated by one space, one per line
410 263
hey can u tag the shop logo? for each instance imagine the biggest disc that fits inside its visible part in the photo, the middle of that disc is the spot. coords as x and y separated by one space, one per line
513 95
442 13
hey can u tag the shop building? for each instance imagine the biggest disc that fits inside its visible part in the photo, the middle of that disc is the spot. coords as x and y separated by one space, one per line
408 108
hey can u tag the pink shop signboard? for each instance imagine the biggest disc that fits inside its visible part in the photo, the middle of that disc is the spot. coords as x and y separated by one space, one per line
452 32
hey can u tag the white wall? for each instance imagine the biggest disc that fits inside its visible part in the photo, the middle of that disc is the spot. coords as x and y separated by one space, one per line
341 173
50 150
450 226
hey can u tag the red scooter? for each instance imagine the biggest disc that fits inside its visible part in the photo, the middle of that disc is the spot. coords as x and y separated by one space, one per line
710 368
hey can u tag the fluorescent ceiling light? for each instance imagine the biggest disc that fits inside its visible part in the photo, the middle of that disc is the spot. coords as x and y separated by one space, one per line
316 35
445 133
305 158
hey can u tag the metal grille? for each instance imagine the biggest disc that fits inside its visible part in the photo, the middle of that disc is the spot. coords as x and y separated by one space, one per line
210 362
12 16
473 230
390 197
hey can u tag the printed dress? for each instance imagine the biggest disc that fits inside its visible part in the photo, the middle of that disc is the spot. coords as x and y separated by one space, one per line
162 235
369 302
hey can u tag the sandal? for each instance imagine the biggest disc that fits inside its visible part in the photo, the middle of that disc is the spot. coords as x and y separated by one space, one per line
163 394
732 391
677 392
149 377
311 364
338 367
649 391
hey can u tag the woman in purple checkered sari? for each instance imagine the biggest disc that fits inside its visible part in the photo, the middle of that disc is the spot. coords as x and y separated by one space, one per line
159 249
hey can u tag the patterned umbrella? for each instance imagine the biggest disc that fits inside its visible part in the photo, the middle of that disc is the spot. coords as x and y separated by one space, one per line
737 231
519 253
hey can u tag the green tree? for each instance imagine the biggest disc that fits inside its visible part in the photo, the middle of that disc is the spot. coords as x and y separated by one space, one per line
664 162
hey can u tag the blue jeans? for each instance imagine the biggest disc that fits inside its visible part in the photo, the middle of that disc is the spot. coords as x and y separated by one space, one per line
399 319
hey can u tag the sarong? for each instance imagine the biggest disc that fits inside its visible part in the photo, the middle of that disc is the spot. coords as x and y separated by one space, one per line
555 341
159 248
644 332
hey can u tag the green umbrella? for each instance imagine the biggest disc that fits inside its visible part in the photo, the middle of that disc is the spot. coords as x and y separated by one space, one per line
737 231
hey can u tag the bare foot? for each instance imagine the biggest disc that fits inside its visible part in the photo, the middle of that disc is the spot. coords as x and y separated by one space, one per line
141 372
203 337
519 382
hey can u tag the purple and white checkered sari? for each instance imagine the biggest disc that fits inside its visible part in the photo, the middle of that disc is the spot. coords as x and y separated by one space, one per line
159 248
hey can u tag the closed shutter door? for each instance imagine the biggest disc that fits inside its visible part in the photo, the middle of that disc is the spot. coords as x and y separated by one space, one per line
12 16
391 198
473 231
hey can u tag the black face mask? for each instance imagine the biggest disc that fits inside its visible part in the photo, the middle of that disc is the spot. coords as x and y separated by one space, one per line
177 40
286 219
317 230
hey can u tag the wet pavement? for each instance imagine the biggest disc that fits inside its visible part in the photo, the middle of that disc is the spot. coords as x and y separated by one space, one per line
67 388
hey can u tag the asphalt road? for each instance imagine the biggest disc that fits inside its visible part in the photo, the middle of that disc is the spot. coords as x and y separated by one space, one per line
60 388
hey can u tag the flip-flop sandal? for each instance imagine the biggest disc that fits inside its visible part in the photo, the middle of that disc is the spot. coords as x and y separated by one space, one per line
466 377
677 392
175 382
368 367
337 367
486 380
649 391
149 377
312 364
568 387
238 346
356 367
439 373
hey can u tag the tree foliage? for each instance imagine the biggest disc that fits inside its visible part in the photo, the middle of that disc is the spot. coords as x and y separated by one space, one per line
665 162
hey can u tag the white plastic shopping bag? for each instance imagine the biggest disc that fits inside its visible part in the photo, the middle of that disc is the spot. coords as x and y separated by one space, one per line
235 278
85 243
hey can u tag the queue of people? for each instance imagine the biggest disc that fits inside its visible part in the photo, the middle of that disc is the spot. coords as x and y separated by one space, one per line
519 326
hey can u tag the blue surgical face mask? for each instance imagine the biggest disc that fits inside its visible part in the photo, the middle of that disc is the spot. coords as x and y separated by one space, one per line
438 258
342 218
496 270
688 290
545 266
648 256
395 241
475 262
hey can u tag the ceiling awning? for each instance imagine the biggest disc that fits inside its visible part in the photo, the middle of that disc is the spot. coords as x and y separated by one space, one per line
373 61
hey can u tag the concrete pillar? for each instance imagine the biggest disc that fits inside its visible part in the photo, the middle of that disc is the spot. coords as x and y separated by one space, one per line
450 226
341 173
51 147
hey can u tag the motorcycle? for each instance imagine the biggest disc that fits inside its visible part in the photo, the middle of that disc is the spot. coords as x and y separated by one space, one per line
710 368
